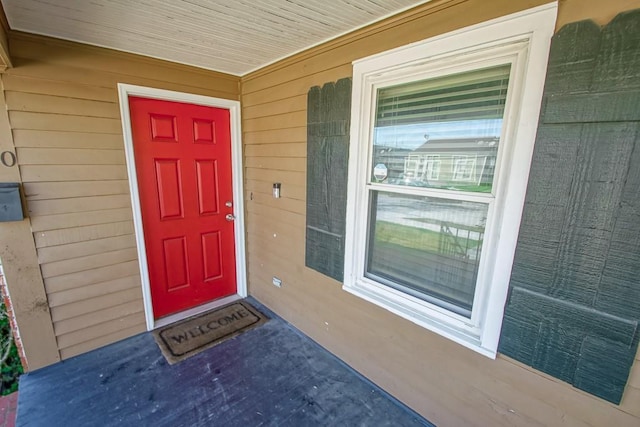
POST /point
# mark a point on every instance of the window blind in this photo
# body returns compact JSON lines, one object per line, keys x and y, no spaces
{"x":478,"y":94}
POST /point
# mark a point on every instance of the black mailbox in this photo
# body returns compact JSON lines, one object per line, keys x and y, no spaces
{"x":10,"y":203}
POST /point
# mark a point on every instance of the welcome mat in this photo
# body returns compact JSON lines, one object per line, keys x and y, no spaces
{"x":191,"y":336}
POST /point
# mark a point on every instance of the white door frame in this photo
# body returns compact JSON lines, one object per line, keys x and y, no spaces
{"x":124,"y":92}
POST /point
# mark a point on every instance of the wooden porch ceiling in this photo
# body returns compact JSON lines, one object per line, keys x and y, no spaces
{"x":234,"y":37}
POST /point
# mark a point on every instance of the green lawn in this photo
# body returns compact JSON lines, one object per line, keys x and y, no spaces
{"x":414,"y":237}
{"x":407,"y":236}
{"x":474,"y":188}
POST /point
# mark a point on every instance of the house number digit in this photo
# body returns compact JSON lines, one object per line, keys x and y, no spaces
{"x":8,"y":159}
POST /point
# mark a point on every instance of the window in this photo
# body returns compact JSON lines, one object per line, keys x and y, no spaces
{"x":411,"y":165}
{"x":452,"y":121}
{"x":433,"y":168}
{"x":463,"y":168}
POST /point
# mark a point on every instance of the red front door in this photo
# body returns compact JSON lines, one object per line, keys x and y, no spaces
{"x":183,"y":164}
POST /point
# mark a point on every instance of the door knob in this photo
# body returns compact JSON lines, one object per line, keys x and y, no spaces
{"x":230,"y":217}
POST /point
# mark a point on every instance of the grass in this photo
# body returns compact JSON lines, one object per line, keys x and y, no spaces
{"x":10,"y":365}
{"x":414,"y":237}
{"x":407,"y":236}
{"x":473,"y":188}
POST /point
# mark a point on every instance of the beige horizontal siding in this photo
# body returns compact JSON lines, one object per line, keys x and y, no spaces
{"x":78,"y":219}
{"x":64,"y":112}
{"x":88,"y":344}
{"x":53,"y":173}
{"x":634,"y":378}
{"x":281,"y":106}
{"x":272,"y":175}
{"x":293,"y":85}
{"x":61,"y":104}
{"x":61,"y":139}
{"x":63,"y":122}
{"x":256,"y":188}
{"x":278,"y":121}
{"x":70,"y":312}
{"x":90,"y":262}
{"x":79,"y":204}
{"x":82,"y":319}
{"x":89,"y":277}
{"x":448,"y":384}
{"x":295,"y":149}
{"x":76,"y":91}
{"x":292,"y":134}
{"x":82,"y":234}
{"x":86,"y":248}
{"x":68,"y":156}
{"x":108,"y":324}
{"x":68,"y":190}
{"x":277,"y":163}
{"x":120,"y":66}
{"x":101,"y":289}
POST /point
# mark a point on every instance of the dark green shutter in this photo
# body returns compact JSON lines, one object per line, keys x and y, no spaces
{"x":574,"y":303}
{"x":328,"y":121}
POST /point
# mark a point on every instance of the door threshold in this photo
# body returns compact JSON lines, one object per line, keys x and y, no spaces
{"x":159,"y":323}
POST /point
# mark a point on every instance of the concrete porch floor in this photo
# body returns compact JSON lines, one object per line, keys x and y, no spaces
{"x":270,"y":376}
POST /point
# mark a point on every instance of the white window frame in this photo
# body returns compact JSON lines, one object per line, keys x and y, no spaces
{"x":433,"y":163}
{"x":463,"y":168}
{"x":414,"y":160}
{"x":525,"y":39}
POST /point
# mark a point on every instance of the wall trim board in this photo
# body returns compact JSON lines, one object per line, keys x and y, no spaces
{"x":20,"y":36}
{"x":124,"y":91}
{"x":24,"y":282}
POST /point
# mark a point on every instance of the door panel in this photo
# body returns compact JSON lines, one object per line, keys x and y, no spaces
{"x":183,"y":164}
{"x":207,"y":175}
{"x":211,"y":245}
{"x":176,"y":263}
{"x":169,"y":188}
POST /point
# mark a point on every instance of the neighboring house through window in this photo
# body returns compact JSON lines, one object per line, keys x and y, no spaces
{"x":453,"y":120}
